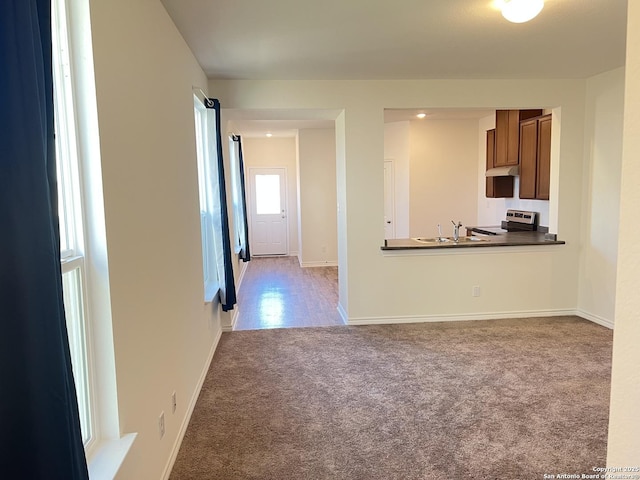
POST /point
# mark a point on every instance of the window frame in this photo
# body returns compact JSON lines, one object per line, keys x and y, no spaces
{"x":71,"y":222}
{"x":209,"y":196}
{"x":109,"y":447}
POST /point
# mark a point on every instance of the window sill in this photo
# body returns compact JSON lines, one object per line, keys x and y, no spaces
{"x":109,"y":457}
{"x":211,"y":292}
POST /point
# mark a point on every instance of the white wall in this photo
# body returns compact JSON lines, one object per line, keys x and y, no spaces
{"x":163,"y":332}
{"x":434,"y":286}
{"x":624,"y":420}
{"x":601,"y":195}
{"x":444,"y":176}
{"x":318,"y":198}
{"x":276,"y":152}
{"x":396,"y":148}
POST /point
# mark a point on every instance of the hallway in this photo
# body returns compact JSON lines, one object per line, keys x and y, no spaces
{"x":277,"y":293}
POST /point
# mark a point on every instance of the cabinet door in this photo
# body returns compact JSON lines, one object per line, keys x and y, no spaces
{"x":544,"y":158}
{"x":502,"y":137}
{"x":513,"y":139}
{"x":528,"y":158}
{"x":508,"y":135}
{"x":491,"y":152}
{"x":496,"y":187}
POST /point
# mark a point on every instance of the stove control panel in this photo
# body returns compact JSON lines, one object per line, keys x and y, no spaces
{"x":521,"y":216}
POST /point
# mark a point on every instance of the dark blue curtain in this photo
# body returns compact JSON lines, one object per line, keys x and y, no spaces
{"x":39,"y":425}
{"x":245,"y":253}
{"x":228,"y":287}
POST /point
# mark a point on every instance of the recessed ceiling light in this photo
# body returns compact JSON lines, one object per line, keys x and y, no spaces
{"x":520,"y":11}
{"x":421,"y":115}
{"x":269,"y":134}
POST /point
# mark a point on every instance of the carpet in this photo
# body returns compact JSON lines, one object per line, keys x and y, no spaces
{"x":498,"y":399}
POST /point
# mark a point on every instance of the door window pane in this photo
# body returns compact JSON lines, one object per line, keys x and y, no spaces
{"x":268,"y":194}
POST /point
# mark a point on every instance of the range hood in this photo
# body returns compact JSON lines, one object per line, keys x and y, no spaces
{"x":512,"y":171}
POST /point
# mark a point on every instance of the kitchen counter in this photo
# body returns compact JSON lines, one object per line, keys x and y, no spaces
{"x":512,"y":239}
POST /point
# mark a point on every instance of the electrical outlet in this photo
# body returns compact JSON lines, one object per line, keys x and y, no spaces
{"x":174,"y":402}
{"x":475,"y":291}
{"x":161,"y":424}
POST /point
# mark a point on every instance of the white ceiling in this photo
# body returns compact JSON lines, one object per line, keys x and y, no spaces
{"x":399,"y":39}
{"x":393,"y":39}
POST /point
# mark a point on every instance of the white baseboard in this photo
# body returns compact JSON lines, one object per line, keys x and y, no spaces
{"x":192,"y":404}
{"x":455,"y":317}
{"x":234,"y":319}
{"x":605,"y":322}
{"x":333,"y":263}
{"x":243,"y":269}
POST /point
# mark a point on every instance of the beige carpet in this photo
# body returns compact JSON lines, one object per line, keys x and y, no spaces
{"x":503,"y":399}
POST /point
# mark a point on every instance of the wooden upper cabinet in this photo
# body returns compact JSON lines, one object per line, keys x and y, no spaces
{"x":528,"y":158}
{"x":502,"y":137}
{"x":508,"y":135}
{"x":496,"y":187}
{"x":491,"y":152}
{"x":535,"y":158}
{"x":544,"y":158}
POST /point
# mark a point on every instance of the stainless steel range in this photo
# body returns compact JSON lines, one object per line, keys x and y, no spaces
{"x":516,"y":221}
{"x":520,"y":220}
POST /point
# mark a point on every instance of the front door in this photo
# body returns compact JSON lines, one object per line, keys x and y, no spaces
{"x":268,"y":198}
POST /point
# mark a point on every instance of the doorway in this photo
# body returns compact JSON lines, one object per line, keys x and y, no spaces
{"x":268,"y":234}
{"x":389,"y":200}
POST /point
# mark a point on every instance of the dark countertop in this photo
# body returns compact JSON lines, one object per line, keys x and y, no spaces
{"x":512,"y":239}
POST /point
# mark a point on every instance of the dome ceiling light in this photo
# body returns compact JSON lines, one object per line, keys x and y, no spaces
{"x":520,"y":11}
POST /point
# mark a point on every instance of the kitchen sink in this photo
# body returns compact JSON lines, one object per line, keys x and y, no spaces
{"x":434,"y":240}
{"x":440,"y":240}
{"x":471,"y":239}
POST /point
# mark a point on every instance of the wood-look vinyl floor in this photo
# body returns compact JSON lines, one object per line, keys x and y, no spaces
{"x":277,"y":293}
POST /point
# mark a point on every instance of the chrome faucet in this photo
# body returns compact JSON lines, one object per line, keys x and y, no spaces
{"x":456,"y":230}
{"x":440,"y":237}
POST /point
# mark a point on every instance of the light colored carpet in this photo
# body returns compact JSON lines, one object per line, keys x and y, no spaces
{"x":500,"y":399}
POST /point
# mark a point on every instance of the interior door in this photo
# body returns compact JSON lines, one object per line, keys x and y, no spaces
{"x":268,"y":197}
{"x":389,"y":201}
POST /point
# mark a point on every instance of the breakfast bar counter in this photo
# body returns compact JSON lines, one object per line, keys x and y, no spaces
{"x":509,"y":239}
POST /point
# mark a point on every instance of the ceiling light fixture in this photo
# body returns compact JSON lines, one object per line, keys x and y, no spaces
{"x":520,"y":11}
{"x":421,"y":115}
{"x":269,"y":135}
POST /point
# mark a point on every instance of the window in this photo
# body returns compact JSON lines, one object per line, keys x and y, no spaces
{"x":83,"y":241}
{"x":210,"y":219}
{"x":71,"y":224}
{"x":240,"y":243}
{"x":268,"y":195}
{"x":236,"y":193}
